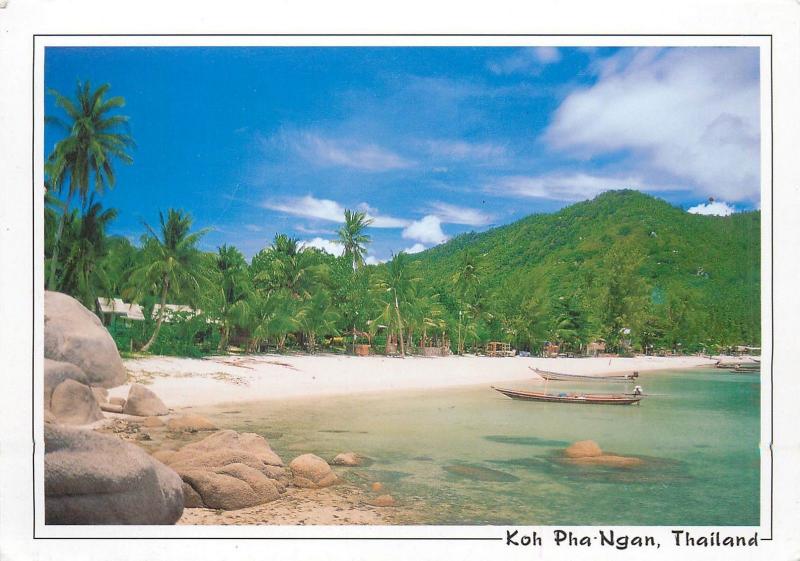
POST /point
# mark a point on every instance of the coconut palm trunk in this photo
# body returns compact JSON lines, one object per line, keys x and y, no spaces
{"x":51,"y":282}
{"x":160,"y":319}
{"x":399,"y":325}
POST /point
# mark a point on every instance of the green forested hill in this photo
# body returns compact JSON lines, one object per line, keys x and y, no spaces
{"x":621,"y":260}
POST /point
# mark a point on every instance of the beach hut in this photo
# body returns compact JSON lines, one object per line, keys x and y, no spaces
{"x":112,"y":308}
{"x":596,"y":348}
{"x":496,"y":348}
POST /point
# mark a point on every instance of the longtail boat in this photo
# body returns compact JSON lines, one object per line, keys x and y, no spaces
{"x":555,"y":376}
{"x":739,"y":366}
{"x":593,"y":399}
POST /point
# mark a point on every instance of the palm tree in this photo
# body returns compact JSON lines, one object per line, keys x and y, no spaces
{"x":87,"y":244}
{"x":83,"y":160}
{"x":231,"y":291}
{"x":171,"y":262}
{"x":398,"y":284}
{"x":467,"y":279}
{"x":317,"y":317}
{"x":352,"y":236}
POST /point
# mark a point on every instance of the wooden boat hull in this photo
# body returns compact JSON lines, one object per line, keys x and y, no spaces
{"x":557,"y":377}
{"x":588,"y":399}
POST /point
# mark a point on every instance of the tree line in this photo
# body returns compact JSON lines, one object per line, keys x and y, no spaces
{"x":294,"y":296}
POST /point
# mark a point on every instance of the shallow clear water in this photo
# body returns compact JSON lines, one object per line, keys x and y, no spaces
{"x":473,"y":456}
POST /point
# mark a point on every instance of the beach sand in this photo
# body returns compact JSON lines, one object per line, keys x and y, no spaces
{"x":186,"y":382}
{"x":337,"y":505}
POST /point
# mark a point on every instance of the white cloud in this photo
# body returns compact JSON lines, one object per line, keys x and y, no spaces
{"x":714,"y":208}
{"x":382,"y":221}
{"x":461,"y":150}
{"x":347,"y":153}
{"x":331,"y":211}
{"x":309,"y":207}
{"x":329,"y":246}
{"x":529,"y":59}
{"x":452,"y":214}
{"x":416,"y":248}
{"x":372,"y":260}
{"x":564,"y":187}
{"x":426,"y":230}
{"x":253,"y":227}
{"x":688,"y":113}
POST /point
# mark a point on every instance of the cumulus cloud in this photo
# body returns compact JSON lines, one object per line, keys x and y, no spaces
{"x":529,"y":59}
{"x":416,"y":248}
{"x":347,"y":153}
{"x":563,"y":187}
{"x":308,"y":207}
{"x":690,"y":113}
{"x":713,"y":208}
{"x":329,"y":246}
{"x":453,"y":214}
{"x":426,"y":230}
{"x":331,"y":211}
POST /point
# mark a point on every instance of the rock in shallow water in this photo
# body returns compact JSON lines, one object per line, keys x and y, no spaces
{"x":349,"y":459}
{"x":92,"y":478}
{"x":312,"y":472}
{"x":588,"y":452}
{"x":75,"y":335}
{"x":583,"y":449}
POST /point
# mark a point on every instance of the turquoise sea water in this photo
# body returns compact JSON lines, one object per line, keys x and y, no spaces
{"x":473,"y":456}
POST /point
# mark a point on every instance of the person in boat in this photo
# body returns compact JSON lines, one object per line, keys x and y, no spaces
{"x":637,"y":390}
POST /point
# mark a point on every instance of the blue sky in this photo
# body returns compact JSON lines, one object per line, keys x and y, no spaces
{"x":431,"y":142}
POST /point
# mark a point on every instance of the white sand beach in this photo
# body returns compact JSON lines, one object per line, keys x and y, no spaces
{"x":182,"y":382}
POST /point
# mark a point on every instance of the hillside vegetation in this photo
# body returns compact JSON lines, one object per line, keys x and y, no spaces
{"x":624,"y":260}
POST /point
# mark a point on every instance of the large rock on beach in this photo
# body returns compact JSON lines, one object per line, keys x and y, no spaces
{"x":56,"y":372}
{"x":91,"y":478}
{"x":100,"y":394}
{"x":73,"y":403}
{"x":230,"y":487}
{"x":75,"y":335}
{"x":228,"y":470}
{"x":111,"y":408}
{"x":142,"y":402}
{"x":312,"y":472}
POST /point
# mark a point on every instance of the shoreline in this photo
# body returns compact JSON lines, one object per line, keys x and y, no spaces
{"x":190,"y":382}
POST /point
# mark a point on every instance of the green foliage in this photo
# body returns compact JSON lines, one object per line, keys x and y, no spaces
{"x":352,"y":237}
{"x":627,"y":260}
{"x":83,"y":159}
{"x":625,"y":267}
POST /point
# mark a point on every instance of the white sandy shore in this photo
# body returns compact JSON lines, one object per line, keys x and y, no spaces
{"x":182,"y":382}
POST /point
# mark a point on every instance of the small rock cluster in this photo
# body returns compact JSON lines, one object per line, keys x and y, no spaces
{"x":93,"y":478}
